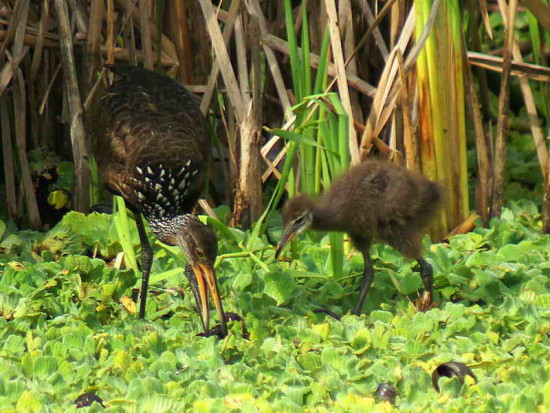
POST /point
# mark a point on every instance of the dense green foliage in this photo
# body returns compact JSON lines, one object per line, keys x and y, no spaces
{"x":65,"y":329}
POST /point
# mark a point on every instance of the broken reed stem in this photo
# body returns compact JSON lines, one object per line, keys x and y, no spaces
{"x":20,"y":114}
{"x":338,"y":56}
{"x":78,"y":141}
{"x":222,"y":55}
{"x":8,"y":158}
{"x":503,"y":105}
{"x":146,"y":43}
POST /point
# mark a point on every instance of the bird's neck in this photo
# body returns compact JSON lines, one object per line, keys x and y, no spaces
{"x":324,"y":219}
{"x":165,"y":228}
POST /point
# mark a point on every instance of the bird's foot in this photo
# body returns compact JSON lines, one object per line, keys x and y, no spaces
{"x":424,"y":302}
{"x":218,"y":331}
{"x":325,"y":310}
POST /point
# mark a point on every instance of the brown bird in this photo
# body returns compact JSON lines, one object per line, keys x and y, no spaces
{"x":373,"y":201}
{"x":152,"y":148}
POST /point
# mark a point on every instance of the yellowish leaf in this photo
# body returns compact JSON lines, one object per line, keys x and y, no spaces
{"x":128,"y":304}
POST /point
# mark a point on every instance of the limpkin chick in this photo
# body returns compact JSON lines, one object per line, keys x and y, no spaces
{"x":152,"y":148}
{"x":373,"y":201}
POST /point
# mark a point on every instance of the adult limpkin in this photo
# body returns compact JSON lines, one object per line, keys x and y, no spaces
{"x":373,"y":201}
{"x":152,"y":148}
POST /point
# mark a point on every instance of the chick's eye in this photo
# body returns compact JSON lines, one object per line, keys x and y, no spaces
{"x":200,"y":253}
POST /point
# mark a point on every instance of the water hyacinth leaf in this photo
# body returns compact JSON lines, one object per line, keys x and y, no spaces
{"x":129,"y":304}
{"x":491,"y":317}
{"x":279,"y":286}
{"x":122,"y":359}
{"x":28,"y":403}
{"x":27,"y":365}
{"x":58,"y":199}
{"x":310,"y":361}
{"x":43,"y":366}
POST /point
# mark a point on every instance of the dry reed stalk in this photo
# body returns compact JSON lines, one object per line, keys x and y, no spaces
{"x":8,"y":158}
{"x":93,"y":40}
{"x":536,"y":129}
{"x":384,"y":100}
{"x":276,"y":43}
{"x":397,"y":19}
{"x":20,"y":114}
{"x":464,"y":227}
{"x":348,"y":34}
{"x":366,"y":140}
{"x":410,"y":143}
{"x":145,"y":28}
{"x":248,"y":204}
{"x":518,"y":67}
{"x":338,"y":56}
{"x":242,"y":69}
{"x":126,"y":56}
{"x":255,"y":11}
{"x":483,"y":145}
{"x":540,"y":9}
{"x":503,"y":105}
{"x":178,"y":27}
{"x":229,"y":78}
{"x":111,"y":38}
{"x":31,"y":39}
{"x":485,"y":15}
{"x":480,"y":73}
{"x":377,"y":35}
{"x":213,"y":78}
{"x":168,"y":48}
{"x":129,"y":33}
{"x":80,"y":17}
{"x":19,"y":15}
{"x":40,"y":41}
{"x":19,"y":50}
{"x":78,"y":137}
{"x":49,"y":88}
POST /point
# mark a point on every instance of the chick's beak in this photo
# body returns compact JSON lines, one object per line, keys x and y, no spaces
{"x":288,"y":234}
{"x":206,"y":284}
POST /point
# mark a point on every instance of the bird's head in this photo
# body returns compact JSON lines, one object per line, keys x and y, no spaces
{"x":200,"y":245}
{"x":127,"y":73}
{"x":297,"y":218}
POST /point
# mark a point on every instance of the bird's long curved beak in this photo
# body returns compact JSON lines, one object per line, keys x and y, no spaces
{"x":288,"y":235}
{"x":206,"y":284}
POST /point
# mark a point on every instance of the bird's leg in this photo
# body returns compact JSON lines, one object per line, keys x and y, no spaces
{"x":366,"y":282}
{"x":146,"y":261}
{"x":426,"y":271}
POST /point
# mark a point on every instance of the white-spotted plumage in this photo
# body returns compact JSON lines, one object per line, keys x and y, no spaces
{"x":160,"y":191}
{"x":162,"y":226}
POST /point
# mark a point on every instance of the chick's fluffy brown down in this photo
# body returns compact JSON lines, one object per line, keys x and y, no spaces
{"x":378,"y":200}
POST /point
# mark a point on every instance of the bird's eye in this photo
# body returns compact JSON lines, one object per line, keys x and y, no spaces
{"x":200,"y":253}
{"x":300,"y":220}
